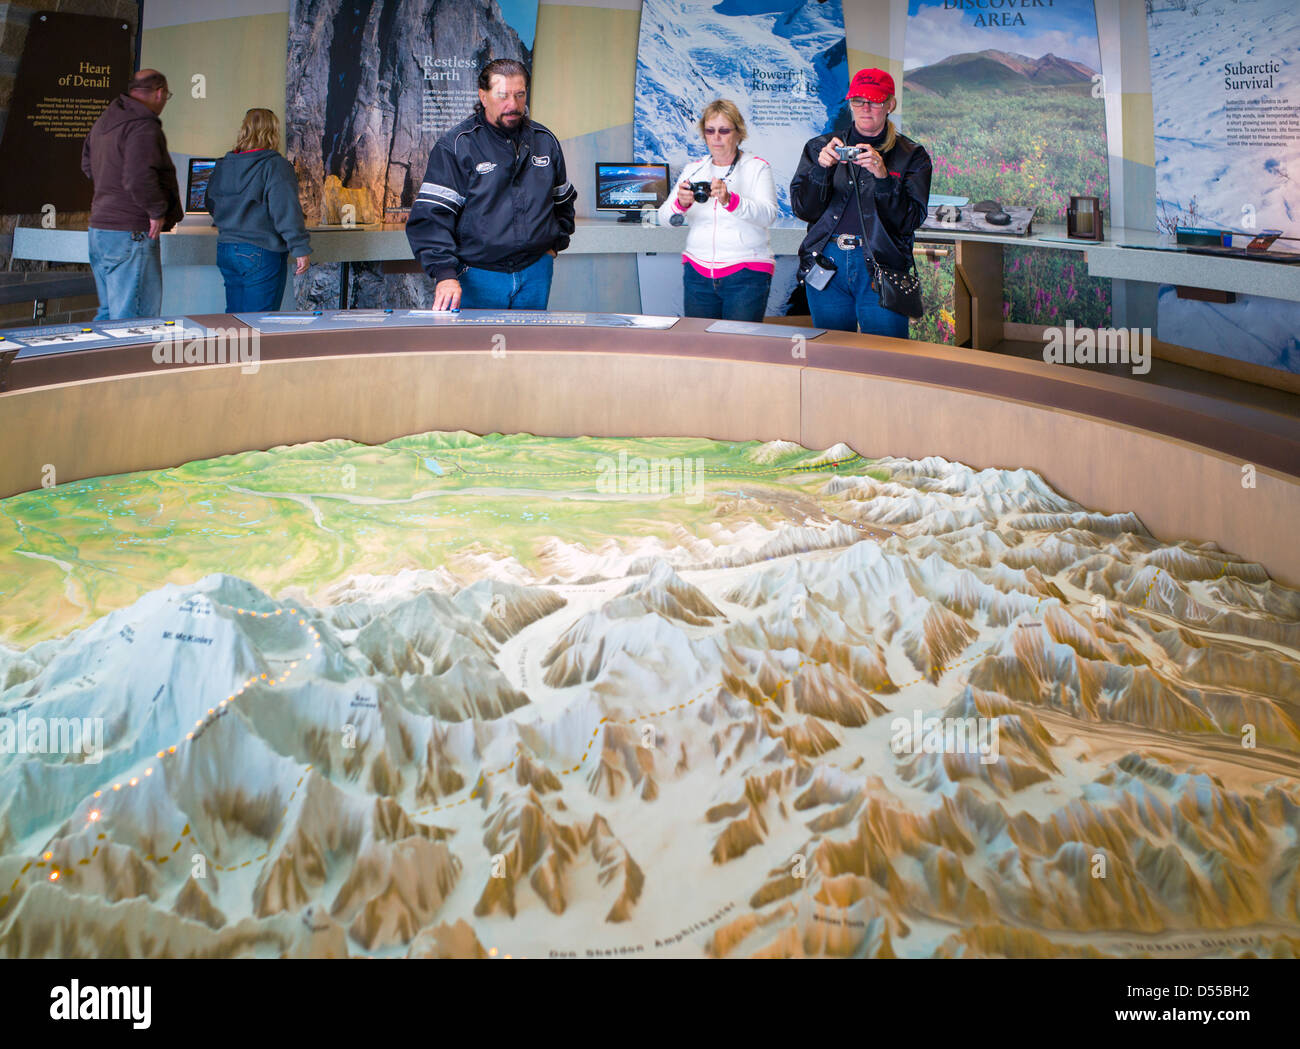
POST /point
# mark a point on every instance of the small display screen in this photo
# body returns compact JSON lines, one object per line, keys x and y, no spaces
{"x":200,"y":172}
{"x":630,"y":187}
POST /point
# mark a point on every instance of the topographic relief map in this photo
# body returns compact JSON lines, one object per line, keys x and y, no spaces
{"x":527,"y":697}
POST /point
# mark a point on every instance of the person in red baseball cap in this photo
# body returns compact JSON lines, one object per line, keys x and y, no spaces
{"x":859,"y":208}
{"x":875,"y":85}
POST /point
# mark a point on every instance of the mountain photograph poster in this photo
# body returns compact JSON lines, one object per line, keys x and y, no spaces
{"x":1011,"y":109}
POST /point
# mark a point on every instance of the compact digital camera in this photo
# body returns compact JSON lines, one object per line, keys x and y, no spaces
{"x":847,"y":153}
{"x":702,"y":191}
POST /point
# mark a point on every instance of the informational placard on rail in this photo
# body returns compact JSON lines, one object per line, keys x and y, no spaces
{"x":62,"y":338}
{"x":352,"y":320}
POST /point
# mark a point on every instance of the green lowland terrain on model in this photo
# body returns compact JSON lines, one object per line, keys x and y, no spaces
{"x":313,"y":515}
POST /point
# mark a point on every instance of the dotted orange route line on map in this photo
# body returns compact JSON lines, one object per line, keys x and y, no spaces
{"x":484,"y":775}
{"x":1223,"y":570}
{"x":769,"y":695}
{"x":569,"y":771}
{"x":1149,"y":586}
{"x":56,"y":872}
{"x":214,"y":712}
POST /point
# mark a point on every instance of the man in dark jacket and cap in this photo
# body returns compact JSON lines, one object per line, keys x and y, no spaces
{"x":496,"y":204}
{"x":136,"y":198}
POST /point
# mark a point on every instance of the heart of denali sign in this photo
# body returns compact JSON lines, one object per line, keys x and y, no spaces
{"x":73,"y":66}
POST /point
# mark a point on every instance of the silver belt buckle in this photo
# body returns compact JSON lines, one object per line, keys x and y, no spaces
{"x":846,"y":241}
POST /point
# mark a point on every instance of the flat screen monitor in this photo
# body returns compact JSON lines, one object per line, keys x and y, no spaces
{"x":197,"y":193}
{"x":628,"y":187}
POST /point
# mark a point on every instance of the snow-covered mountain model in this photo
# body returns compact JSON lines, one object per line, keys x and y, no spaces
{"x":784,"y":64}
{"x":839,"y":707}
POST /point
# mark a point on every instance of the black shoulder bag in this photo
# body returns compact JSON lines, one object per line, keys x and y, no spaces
{"x":898,"y":290}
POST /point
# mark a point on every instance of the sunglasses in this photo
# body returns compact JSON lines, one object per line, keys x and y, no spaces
{"x":719,"y":130}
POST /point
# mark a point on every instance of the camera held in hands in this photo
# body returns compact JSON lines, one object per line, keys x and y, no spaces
{"x":847,"y":153}
{"x":702,"y":191}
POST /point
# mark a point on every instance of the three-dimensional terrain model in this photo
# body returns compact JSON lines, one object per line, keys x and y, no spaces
{"x":530,"y":697}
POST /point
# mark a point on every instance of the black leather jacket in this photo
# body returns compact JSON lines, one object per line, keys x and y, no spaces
{"x":490,"y":200}
{"x":893,"y":208}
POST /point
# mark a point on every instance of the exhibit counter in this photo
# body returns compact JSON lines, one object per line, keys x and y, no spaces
{"x":1140,"y":255}
{"x":586,"y":279}
{"x":1179,"y":460}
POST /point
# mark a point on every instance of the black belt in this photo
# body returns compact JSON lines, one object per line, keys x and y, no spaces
{"x":847,"y":241}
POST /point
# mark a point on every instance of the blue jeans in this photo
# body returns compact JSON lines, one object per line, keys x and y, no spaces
{"x":739,"y":296}
{"x":255,"y":277}
{"x":128,"y":274}
{"x":525,"y":289}
{"x":848,"y":302}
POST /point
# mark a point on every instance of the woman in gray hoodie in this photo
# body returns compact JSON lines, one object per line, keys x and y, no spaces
{"x":253,"y":199}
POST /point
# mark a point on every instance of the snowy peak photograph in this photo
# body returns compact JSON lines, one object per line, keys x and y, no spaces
{"x":785,"y":65}
{"x":1003,"y":70}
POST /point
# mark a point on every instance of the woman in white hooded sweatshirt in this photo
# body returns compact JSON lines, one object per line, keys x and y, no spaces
{"x":728,"y":262}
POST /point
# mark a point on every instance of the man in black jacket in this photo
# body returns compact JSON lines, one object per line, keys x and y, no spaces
{"x":136,"y":198}
{"x":892,"y":174}
{"x":496,"y":205}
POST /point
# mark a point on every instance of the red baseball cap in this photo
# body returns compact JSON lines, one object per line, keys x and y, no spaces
{"x":875,"y":85}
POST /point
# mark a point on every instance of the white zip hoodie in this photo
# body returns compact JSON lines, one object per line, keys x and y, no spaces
{"x":728,"y":238}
